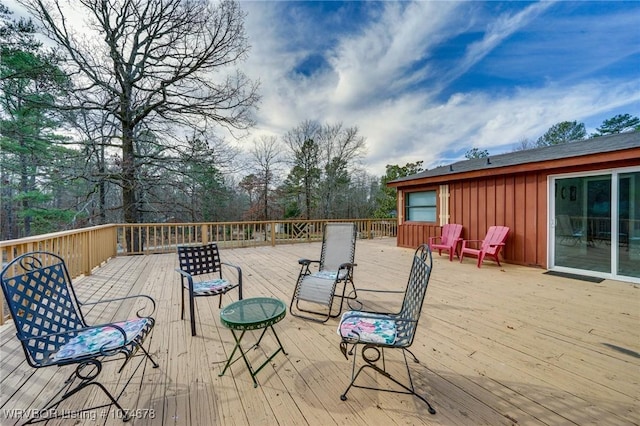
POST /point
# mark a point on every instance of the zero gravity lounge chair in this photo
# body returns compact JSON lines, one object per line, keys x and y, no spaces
{"x":51,"y":327}
{"x":315,"y":292}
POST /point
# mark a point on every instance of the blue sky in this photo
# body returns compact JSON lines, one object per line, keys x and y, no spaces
{"x":430,"y":80}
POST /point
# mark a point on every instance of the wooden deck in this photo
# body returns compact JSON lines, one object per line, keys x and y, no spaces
{"x":498,"y":346}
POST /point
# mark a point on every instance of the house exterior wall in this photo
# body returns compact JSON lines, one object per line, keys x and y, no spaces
{"x":516,"y":201}
{"x":516,"y":198}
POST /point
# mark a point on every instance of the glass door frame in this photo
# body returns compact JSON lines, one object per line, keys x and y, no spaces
{"x":551,"y":222}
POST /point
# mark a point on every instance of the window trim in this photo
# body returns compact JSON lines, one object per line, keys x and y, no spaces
{"x":407,"y":207}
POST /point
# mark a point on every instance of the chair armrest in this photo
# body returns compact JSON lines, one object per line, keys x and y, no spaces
{"x":239,"y":273}
{"x":135,"y":296}
{"x":184,"y":274}
{"x":464,"y":242}
{"x":347,"y":265}
{"x":307,"y":262}
{"x":434,"y":239}
{"x":236,"y":267}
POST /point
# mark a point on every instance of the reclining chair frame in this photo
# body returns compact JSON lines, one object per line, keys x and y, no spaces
{"x":343,"y":276}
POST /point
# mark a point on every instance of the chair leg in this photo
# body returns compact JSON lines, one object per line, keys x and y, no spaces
{"x":182,"y":303}
{"x":371,"y":363}
{"x":86,"y":380}
{"x":148,"y":355}
{"x":343,"y":296}
{"x":192,"y":314}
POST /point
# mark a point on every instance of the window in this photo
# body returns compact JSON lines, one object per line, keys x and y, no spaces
{"x":421,"y":206}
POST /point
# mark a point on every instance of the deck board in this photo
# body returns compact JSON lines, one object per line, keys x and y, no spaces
{"x":497,"y":345}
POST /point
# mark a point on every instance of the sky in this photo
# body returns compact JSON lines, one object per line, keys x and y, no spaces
{"x":427,"y":81}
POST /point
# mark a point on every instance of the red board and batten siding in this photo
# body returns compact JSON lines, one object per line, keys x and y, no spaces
{"x":516,"y":201}
{"x":515,"y":197}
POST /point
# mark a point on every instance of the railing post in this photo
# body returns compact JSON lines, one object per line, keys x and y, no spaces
{"x":88,"y":257}
{"x":204,"y":234}
{"x":273,"y":234}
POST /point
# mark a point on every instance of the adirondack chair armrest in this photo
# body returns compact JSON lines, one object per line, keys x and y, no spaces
{"x":117,"y":299}
{"x":496,"y":244}
{"x":434,"y":239}
{"x":465,"y":242}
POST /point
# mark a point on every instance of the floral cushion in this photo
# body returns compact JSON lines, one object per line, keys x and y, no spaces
{"x":330,"y":275}
{"x":366,"y":327}
{"x":213,"y":286}
{"x":90,"y":342}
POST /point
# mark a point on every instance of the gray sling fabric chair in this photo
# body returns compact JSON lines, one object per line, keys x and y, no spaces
{"x":315,"y":292}
{"x":53,"y":332}
{"x":376,"y":332}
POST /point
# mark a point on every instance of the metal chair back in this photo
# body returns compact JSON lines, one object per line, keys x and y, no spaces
{"x":338,"y":245}
{"x":42,"y":302}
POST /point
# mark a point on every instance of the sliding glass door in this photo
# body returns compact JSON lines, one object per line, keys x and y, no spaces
{"x":595,"y":224}
{"x":629,"y":224}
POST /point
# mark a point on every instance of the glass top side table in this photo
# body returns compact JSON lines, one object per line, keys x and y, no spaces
{"x":252,"y":314}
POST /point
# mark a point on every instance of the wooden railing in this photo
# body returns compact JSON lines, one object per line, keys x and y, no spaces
{"x":82,"y":249}
{"x":149,"y":238}
{"x":87,"y":248}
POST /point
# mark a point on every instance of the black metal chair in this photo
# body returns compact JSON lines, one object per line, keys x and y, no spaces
{"x":203,"y":263}
{"x":374,"y":332}
{"x":53,"y":332}
{"x":315,"y":292}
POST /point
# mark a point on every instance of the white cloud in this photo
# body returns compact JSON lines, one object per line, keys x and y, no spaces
{"x":381,"y":75}
{"x":498,"y":31}
{"x":381,"y":71}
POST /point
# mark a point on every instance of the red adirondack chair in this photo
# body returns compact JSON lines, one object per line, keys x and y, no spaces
{"x":448,"y":241}
{"x":491,"y":245}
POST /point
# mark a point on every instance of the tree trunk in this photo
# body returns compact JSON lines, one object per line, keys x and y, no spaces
{"x":129,"y":193}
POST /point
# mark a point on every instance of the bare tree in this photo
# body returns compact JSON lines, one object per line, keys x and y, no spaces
{"x":152,"y":66}
{"x":524,"y":144}
{"x":340,"y":149}
{"x":323,"y":160}
{"x":267,"y":157}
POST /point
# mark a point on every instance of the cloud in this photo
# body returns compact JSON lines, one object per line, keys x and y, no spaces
{"x":429,"y":80}
{"x":498,"y":31}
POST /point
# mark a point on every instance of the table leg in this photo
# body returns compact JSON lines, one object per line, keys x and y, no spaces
{"x":246,"y":361}
{"x":235,"y":348}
